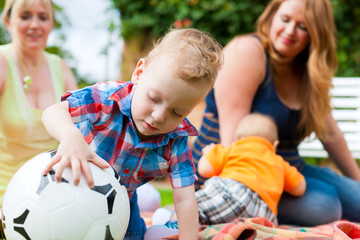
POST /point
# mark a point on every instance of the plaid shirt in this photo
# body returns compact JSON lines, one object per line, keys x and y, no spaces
{"x":102,"y":113}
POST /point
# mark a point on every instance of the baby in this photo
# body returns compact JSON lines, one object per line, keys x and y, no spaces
{"x":247,"y":178}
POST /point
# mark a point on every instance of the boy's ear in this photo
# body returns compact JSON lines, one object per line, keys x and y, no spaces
{"x":275,"y":145}
{"x":138,"y":71}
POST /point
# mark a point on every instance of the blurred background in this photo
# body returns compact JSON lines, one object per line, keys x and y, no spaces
{"x":102,"y":40}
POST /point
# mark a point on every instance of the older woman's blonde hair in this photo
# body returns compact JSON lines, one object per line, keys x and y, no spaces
{"x":195,"y":55}
{"x":15,"y":6}
{"x":316,"y":64}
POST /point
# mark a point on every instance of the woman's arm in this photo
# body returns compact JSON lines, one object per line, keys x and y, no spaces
{"x":338,"y":151}
{"x":237,"y":82}
{"x":69,"y":79}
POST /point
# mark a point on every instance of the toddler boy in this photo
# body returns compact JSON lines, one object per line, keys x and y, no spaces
{"x":139,"y":127}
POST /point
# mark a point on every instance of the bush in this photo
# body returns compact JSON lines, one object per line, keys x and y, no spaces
{"x":226,"y":18}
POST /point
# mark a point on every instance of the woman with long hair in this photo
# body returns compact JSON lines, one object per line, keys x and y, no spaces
{"x":285,"y":70}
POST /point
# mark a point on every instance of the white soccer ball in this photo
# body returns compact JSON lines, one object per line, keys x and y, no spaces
{"x":36,"y":207}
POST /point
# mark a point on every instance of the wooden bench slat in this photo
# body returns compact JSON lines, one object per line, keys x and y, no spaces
{"x":346,"y":81}
{"x":345,"y":92}
{"x":353,"y":115}
{"x":347,"y":127}
{"x":346,"y":111}
{"x":345,"y":102}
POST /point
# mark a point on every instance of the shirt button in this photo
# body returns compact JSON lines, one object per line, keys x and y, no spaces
{"x":126,"y":170}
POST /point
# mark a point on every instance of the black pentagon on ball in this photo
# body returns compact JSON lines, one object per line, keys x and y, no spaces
{"x":44,"y":181}
{"x":118,"y":177}
{"x":110,"y":198}
{"x":20,"y":220}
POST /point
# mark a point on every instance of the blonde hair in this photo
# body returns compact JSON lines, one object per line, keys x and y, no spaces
{"x":15,"y":6}
{"x":316,"y":64}
{"x":256,"y":124}
{"x":196,"y":55}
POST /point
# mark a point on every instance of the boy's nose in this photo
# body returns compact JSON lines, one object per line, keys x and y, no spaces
{"x":159,"y":115}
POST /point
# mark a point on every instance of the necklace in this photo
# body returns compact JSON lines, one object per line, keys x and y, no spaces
{"x":27,"y":80}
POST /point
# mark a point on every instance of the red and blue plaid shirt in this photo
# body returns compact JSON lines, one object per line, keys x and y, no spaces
{"x":102,"y":113}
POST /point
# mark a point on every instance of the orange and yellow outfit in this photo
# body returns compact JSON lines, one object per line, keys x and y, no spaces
{"x":253,"y":162}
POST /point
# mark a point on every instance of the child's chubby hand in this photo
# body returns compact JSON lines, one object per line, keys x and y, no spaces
{"x":75,"y":153}
{"x":208,"y":148}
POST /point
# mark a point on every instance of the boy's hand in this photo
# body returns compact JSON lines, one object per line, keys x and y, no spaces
{"x":205,"y":168}
{"x":208,"y":148}
{"x":75,"y":153}
{"x":73,"y":150}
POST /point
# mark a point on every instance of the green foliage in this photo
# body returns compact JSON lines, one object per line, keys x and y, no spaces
{"x":4,"y":35}
{"x":221,"y":18}
{"x":224,"y":19}
{"x":347,"y":17}
{"x":166,"y":196}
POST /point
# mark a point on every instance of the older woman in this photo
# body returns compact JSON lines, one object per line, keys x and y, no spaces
{"x":30,"y":81}
{"x":285,"y":70}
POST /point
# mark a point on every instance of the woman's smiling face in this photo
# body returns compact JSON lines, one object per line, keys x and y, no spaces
{"x":288,"y":33}
{"x":30,"y":27}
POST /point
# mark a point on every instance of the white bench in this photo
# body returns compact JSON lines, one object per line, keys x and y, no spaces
{"x":346,"y":111}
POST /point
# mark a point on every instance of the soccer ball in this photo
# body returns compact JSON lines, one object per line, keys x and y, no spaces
{"x":36,"y":207}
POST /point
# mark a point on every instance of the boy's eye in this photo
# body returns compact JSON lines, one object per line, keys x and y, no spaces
{"x":153,"y":98}
{"x":176,"y":114}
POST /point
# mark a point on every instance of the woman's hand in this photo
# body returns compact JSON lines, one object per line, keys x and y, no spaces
{"x":338,"y":150}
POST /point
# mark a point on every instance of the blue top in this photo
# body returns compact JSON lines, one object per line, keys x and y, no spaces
{"x":266,"y":101}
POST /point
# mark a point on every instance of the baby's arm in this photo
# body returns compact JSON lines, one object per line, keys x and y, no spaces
{"x":186,"y":212}
{"x":205,"y":169}
{"x":73,"y":150}
{"x":299,"y":190}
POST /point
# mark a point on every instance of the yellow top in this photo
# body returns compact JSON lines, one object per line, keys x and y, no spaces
{"x":253,"y":162}
{"x":22,"y":134}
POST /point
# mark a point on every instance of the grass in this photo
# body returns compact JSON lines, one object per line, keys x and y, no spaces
{"x":166,"y":196}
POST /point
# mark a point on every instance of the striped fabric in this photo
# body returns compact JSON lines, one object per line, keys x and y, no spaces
{"x":222,"y":200}
{"x":209,"y":133}
{"x":103,"y":113}
{"x":262,"y":229}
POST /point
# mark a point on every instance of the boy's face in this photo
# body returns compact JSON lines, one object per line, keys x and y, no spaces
{"x":162,"y":100}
